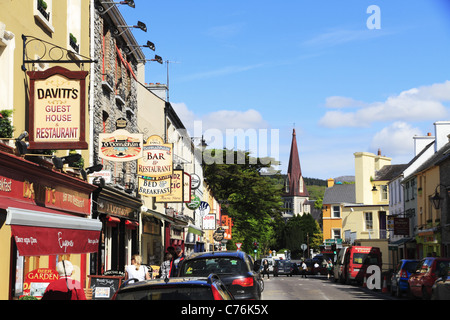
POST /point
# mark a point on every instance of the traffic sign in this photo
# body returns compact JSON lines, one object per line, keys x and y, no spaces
{"x":238,"y":245}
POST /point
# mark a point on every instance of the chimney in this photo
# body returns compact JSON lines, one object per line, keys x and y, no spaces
{"x":330,"y":183}
{"x":442,"y":129}
{"x":420,"y":142}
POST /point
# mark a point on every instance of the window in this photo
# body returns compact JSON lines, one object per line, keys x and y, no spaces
{"x":7,"y":48}
{"x":368,"y":221}
{"x":42,"y":11}
{"x":336,"y":212}
{"x":336,"y":233}
{"x":384,"y":192}
{"x":74,"y":25}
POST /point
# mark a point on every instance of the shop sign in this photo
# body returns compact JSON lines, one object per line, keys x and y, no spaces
{"x":401,"y":226}
{"x":54,"y":197}
{"x":209,"y":222}
{"x":57,"y":109}
{"x":195,"y":181}
{"x":204,"y":208}
{"x":187,"y":188}
{"x":176,"y":189}
{"x":195,"y":202}
{"x":113,"y":209}
{"x":153,"y":188}
{"x":156,"y":161}
{"x":120,"y":146}
{"x":37,"y":281}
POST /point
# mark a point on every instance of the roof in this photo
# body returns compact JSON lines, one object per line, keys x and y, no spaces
{"x":390,"y":172}
{"x":294,"y":172}
{"x":340,"y":193}
{"x":441,"y":155}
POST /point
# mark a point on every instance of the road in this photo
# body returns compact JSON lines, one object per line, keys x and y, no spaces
{"x":316,"y":288}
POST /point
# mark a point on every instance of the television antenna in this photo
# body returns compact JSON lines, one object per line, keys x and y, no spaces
{"x":167,"y":66}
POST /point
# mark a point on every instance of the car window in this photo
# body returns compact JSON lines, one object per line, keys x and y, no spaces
{"x":167,"y":293}
{"x":204,"y":267}
{"x":410,"y":266}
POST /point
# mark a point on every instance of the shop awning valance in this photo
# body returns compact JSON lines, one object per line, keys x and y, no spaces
{"x":39,"y":233}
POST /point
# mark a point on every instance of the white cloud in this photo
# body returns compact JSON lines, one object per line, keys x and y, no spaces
{"x":396,"y":139}
{"x":417,"y":104}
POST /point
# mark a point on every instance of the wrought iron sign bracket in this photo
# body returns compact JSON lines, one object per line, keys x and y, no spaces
{"x":50,"y":53}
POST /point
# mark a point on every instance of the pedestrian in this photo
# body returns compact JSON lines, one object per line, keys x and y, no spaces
{"x":65,"y":288}
{"x":165,"y":266}
{"x":304,"y":269}
{"x":135,"y":270}
{"x":329,"y":268}
{"x":176,"y":260}
{"x":266,"y":268}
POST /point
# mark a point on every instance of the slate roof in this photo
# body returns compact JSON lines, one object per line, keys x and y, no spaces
{"x":390,"y":172}
{"x":340,"y":193}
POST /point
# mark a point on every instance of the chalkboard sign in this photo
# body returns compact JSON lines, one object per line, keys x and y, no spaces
{"x":104,"y":287}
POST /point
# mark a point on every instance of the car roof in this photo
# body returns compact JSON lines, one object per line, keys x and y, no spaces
{"x":187,"y":281}
{"x":218,"y":254}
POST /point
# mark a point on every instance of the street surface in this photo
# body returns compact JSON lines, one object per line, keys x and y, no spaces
{"x":316,"y":288}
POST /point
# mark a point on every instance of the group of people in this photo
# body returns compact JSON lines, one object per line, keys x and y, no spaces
{"x":66,"y":288}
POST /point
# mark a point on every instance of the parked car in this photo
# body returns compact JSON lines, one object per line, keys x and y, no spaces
{"x":283,"y":267}
{"x":401,"y":274}
{"x":426,"y":273}
{"x":441,"y":287}
{"x":192,"y":288}
{"x":234,"y":268}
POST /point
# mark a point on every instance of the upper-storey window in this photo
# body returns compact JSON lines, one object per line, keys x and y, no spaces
{"x":42,"y":10}
{"x":74,"y":25}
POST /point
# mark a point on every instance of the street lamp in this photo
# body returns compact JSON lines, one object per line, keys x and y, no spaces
{"x":436,"y":198}
{"x":149,"y":45}
{"x":139,"y":25}
{"x":129,"y":3}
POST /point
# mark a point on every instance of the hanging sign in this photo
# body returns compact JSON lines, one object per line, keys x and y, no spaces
{"x":187,"y":188}
{"x":57,"y":109}
{"x":156,"y":162}
{"x":120,"y":146}
{"x":194,"y":203}
{"x":204,"y":208}
{"x":176,"y":189}
{"x":195,"y":181}
{"x":153,"y":188}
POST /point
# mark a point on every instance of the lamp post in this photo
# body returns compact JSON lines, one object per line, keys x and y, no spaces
{"x":436,"y":198}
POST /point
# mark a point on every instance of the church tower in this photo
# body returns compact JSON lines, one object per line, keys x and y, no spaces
{"x":296,"y":195}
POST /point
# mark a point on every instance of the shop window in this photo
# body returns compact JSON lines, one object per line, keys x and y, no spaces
{"x":42,"y":11}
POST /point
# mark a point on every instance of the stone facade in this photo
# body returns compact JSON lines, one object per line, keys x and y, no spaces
{"x":115,"y":95}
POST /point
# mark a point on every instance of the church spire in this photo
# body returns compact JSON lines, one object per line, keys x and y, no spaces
{"x":294,"y":174}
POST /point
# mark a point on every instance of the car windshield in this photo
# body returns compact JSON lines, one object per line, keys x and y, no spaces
{"x":410,"y":266}
{"x":167,"y":293}
{"x":204,"y":267}
{"x":365,"y":258}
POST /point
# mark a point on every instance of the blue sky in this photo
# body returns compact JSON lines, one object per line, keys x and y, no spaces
{"x":312,"y":65}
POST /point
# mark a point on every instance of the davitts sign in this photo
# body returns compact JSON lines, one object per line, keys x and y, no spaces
{"x":57,"y":109}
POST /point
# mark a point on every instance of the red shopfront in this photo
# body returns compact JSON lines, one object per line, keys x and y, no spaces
{"x":44,"y":218}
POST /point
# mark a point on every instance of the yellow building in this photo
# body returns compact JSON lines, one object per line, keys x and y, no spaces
{"x":54,"y":32}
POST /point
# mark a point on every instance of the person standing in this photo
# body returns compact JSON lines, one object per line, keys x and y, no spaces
{"x":164,"y":271}
{"x":266,"y":268}
{"x":136,"y":270}
{"x":65,"y":288}
{"x":176,"y":262}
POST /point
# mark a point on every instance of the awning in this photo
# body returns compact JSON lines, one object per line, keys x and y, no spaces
{"x":40,"y":233}
{"x":195,"y":230}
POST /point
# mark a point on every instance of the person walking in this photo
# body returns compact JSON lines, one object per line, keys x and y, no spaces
{"x":65,"y":288}
{"x":136,"y":270}
{"x":266,"y":268}
{"x":329,"y":268}
{"x":304,"y":269}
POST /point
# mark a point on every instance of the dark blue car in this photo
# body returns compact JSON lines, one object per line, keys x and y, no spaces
{"x":400,"y":277}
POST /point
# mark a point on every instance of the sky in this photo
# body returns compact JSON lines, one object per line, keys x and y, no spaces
{"x":348,"y":75}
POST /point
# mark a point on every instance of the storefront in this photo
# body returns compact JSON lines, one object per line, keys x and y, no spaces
{"x":44,"y":218}
{"x":152,"y":237}
{"x":119,"y":213}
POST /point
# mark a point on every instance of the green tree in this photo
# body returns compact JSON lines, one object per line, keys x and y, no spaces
{"x":252,"y":200}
